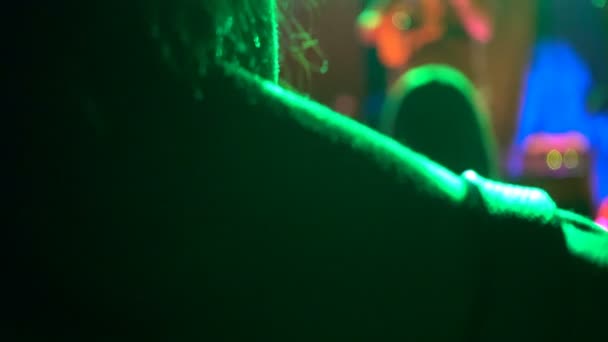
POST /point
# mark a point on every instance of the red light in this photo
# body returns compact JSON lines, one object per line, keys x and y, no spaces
{"x":602,"y":216}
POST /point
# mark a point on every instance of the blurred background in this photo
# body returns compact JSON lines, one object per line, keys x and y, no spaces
{"x":539,"y":67}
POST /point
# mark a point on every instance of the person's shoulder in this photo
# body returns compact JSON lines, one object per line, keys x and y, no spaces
{"x":533,"y":208}
{"x":363,"y":145}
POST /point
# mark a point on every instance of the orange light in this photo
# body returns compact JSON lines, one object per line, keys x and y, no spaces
{"x":393,"y":34}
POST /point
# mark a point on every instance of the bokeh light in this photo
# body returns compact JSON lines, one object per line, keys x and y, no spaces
{"x":571,"y":159}
{"x":554,"y":160}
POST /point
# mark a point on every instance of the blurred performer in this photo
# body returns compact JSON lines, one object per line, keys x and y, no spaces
{"x":453,"y":131}
{"x":399,"y":28}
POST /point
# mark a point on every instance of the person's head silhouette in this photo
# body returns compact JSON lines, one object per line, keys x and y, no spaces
{"x":433,"y":110}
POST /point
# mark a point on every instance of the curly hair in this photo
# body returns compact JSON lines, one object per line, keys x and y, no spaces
{"x":195,"y":33}
{"x":244,"y":32}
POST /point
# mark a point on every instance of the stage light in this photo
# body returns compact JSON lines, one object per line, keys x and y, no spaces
{"x":555,"y":160}
{"x":571,"y":159}
{"x":402,"y":20}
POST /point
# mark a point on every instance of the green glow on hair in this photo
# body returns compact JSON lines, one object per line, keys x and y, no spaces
{"x":194,"y":35}
{"x":276,"y":68}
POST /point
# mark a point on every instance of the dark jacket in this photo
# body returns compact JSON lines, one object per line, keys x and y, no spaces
{"x":152,"y":207}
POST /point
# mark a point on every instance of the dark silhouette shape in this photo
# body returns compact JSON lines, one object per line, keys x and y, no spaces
{"x":433,"y":110}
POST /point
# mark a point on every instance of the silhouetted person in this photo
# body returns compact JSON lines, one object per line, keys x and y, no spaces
{"x":170,"y":190}
{"x":432,"y":109}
